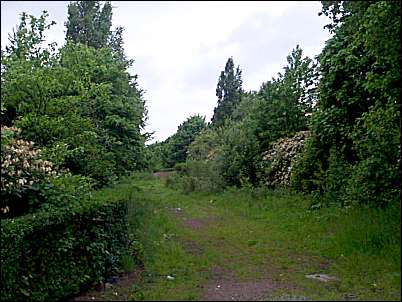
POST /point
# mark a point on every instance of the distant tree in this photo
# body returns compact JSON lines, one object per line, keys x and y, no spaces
{"x":179,"y":142}
{"x":228,"y":91}
{"x":88,"y":23}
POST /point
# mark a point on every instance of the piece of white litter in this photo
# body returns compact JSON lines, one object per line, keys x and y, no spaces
{"x":108,"y":285}
{"x":322,"y":277}
{"x":115,"y":293}
{"x":170,"y":277}
{"x":218,"y":286}
{"x":178,"y":209}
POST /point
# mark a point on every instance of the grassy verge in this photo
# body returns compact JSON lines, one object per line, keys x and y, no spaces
{"x":252,"y":234}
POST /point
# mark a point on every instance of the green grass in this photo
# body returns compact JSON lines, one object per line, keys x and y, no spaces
{"x":257,"y":233}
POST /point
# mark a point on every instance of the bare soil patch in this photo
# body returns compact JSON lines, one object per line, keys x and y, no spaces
{"x":163,"y":174}
{"x":223,"y":286}
{"x":117,"y":290}
{"x":193,"y":223}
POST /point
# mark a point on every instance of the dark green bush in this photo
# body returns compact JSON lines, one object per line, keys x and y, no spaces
{"x":49,"y":255}
{"x":358,"y":112}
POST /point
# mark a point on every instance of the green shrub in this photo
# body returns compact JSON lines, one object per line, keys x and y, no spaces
{"x":62,"y":191}
{"x":336,"y":179}
{"x":196,"y":175}
{"x":181,"y":168}
{"x":376,"y":178}
{"x":29,"y":183}
{"x":127,"y":263}
{"x":358,"y":112}
{"x":23,"y":170}
{"x":50,"y":255}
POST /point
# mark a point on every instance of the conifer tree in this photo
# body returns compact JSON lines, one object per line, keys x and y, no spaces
{"x":228,"y":91}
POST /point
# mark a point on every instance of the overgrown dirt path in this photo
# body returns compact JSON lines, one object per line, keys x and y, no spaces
{"x":239,"y":270}
{"x":206,"y":247}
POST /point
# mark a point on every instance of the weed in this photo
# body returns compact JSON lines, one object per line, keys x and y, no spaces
{"x":127,"y":263}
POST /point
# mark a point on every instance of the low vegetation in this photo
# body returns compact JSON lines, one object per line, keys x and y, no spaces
{"x":192,"y":242}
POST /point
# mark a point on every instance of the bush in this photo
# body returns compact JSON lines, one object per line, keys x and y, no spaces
{"x":239,"y":156}
{"x":278,"y":160}
{"x":372,"y":178}
{"x":376,"y":178}
{"x":50,"y":255}
{"x":196,"y":175}
{"x":22,"y":169}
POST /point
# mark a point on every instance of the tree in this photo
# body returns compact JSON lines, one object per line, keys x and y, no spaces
{"x":80,"y":106}
{"x":357,"y":121}
{"x":89,"y":24}
{"x":228,"y":91}
{"x":179,"y":142}
{"x":283,"y":105}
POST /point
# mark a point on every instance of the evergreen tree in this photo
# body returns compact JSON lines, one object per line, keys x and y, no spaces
{"x":229,"y":92}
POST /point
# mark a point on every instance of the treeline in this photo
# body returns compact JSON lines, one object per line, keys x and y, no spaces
{"x":71,"y":123}
{"x":347,"y":100}
{"x":78,"y":105}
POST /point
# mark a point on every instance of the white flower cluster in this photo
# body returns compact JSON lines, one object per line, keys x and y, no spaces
{"x":21,"y":165}
{"x":281,"y":156}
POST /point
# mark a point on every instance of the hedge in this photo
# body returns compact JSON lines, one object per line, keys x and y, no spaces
{"x":51,"y":255}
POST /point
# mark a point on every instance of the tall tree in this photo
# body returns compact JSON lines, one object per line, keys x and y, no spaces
{"x":88,"y":23}
{"x":286,"y":102}
{"x":357,"y":122}
{"x":80,"y":105}
{"x":228,"y":91}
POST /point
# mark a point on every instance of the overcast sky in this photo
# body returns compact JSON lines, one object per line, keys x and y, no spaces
{"x":180,"y":48}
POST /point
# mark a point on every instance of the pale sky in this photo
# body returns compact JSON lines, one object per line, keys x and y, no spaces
{"x":180,"y":47}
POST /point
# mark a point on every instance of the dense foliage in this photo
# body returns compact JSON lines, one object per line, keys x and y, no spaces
{"x":88,"y":23}
{"x":349,"y":100}
{"x":354,"y":152}
{"x":174,"y":149}
{"x":231,"y":153}
{"x":22,"y":172}
{"x":79,"y":105}
{"x":71,"y":121}
{"x":287,"y":101}
{"x":50,"y":255}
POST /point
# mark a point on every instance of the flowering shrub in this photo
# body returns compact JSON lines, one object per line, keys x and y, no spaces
{"x":21,"y":167}
{"x":279,"y":159}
